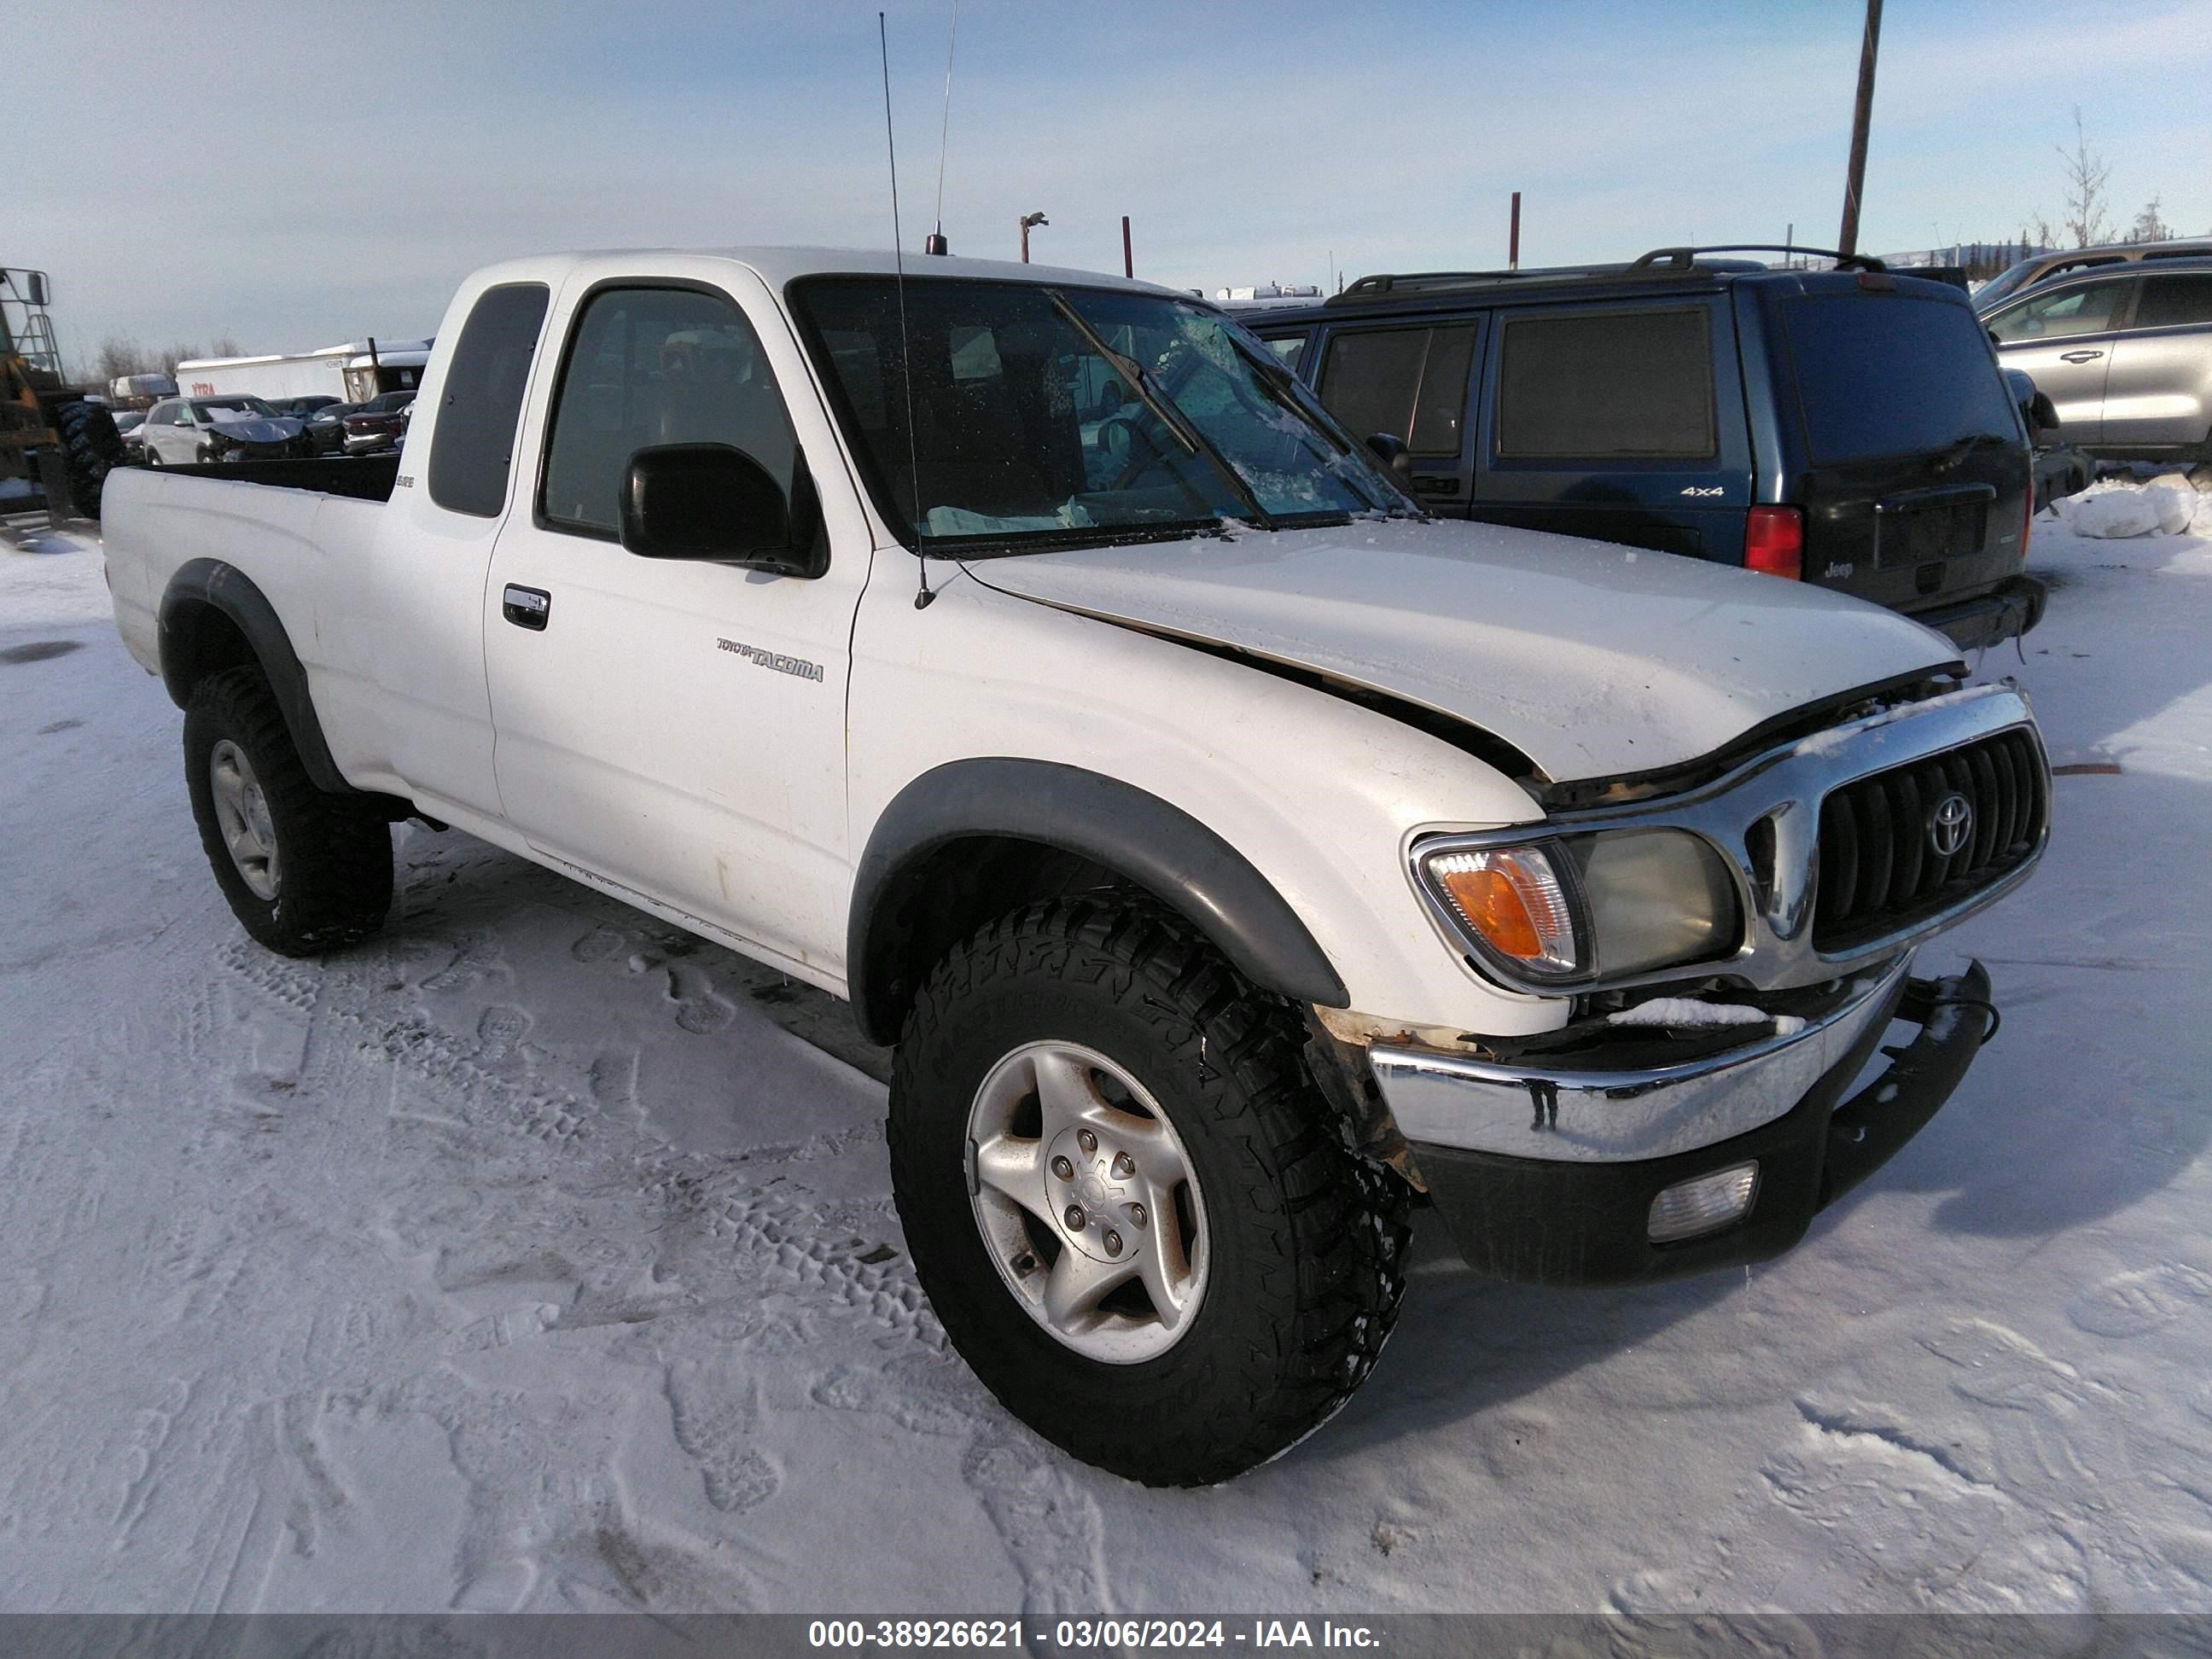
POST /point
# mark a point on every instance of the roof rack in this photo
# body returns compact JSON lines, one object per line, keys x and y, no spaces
{"x":1683,"y":258}
{"x":1660,"y":262}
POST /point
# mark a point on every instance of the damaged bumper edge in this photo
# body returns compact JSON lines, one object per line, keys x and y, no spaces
{"x":1590,"y":1152}
{"x":1611,"y":1116}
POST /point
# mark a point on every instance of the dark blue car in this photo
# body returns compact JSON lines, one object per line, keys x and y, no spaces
{"x":1848,"y":427}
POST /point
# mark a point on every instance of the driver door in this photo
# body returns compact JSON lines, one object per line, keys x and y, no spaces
{"x":675,"y":729}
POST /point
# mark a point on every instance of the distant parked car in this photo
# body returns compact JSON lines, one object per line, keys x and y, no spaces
{"x":377,"y":423}
{"x":127,"y":423}
{"x":2123,"y":353}
{"x":326,"y":428}
{"x":189,"y":431}
{"x":303,"y":409}
{"x":2064,"y":262}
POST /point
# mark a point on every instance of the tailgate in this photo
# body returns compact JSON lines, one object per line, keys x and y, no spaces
{"x":1911,"y":467}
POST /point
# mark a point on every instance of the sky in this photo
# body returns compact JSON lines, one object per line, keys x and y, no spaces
{"x":292,"y":174}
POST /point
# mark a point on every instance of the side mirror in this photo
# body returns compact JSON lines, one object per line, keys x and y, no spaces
{"x":714,"y":501}
{"x":35,"y":283}
{"x":1390,"y":448}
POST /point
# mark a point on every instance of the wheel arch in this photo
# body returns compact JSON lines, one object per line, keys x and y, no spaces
{"x":212,"y":617}
{"x":967,"y":841}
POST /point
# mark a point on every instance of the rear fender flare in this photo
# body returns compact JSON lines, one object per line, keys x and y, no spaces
{"x":202,"y":586}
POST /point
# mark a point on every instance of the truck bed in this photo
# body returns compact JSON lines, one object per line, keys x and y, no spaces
{"x":363,"y":477}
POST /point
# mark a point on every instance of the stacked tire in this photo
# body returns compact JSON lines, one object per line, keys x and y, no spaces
{"x":91,"y":449}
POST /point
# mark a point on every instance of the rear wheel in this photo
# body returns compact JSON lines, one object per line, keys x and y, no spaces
{"x":304,"y":871}
{"x":91,"y":449}
{"x":1132,"y":1211}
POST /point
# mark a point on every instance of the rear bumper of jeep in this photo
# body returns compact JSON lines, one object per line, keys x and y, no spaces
{"x":2007,"y":611}
{"x":1554,"y":1175}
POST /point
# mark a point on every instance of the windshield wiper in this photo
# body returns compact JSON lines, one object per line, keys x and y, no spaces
{"x":1163,"y":408}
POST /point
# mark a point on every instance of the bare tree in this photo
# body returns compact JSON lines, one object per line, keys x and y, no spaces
{"x":179,"y":354}
{"x":2148,"y":227}
{"x":225,"y":345}
{"x":2086,"y":201}
{"x":120,"y":354}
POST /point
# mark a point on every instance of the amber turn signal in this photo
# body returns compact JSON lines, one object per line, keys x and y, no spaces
{"x":1513,"y":902}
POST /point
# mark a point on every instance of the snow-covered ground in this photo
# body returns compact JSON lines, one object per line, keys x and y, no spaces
{"x":520,"y":1259}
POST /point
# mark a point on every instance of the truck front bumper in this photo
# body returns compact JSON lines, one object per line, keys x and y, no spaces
{"x":1549,"y":1175}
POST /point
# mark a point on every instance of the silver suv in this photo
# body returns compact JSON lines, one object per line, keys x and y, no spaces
{"x":2125,"y":354}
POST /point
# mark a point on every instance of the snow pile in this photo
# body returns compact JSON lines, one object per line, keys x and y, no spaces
{"x":2119,"y":507}
{"x":1682,"y":1013}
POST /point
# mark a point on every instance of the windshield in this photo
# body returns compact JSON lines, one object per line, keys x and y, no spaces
{"x":232,"y":409}
{"x":1042,"y":413}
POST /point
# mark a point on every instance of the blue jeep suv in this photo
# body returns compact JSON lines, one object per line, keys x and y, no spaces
{"x":1846,"y":428}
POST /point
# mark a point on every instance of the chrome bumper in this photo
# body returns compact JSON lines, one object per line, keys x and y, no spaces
{"x":1566,"y":1116}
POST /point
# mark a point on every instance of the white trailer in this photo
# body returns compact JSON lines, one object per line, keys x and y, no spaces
{"x":355,"y":372}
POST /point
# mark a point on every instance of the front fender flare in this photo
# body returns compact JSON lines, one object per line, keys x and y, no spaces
{"x":1140,"y":837}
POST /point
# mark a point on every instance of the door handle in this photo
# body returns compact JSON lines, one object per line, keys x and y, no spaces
{"x":2079,"y":357}
{"x":527,"y":607}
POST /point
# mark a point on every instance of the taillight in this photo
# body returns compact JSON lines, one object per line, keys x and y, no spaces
{"x":1774,"y":541}
{"x":2026,"y":522}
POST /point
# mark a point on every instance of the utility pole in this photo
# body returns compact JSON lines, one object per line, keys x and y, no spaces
{"x":1513,"y":236}
{"x":1027,"y":220}
{"x":1848,"y":242}
{"x":1128,"y":263}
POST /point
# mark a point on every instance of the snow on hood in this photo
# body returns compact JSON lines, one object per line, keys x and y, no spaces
{"x":1593,"y":659}
{"x":257,"y":428}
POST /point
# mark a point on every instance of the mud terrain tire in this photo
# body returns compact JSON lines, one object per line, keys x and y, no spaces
{"x":1304,"y":1243}
{"x":327,"y":866}
{"x":91,"y":449}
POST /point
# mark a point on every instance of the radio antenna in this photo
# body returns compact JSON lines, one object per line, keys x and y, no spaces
{"x":936,"y":244}
{"x":906,"y":355}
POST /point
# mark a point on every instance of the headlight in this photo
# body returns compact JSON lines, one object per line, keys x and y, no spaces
{"x":1577,"y":909}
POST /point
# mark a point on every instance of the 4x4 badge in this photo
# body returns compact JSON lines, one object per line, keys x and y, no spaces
{"x":1950,"y":824}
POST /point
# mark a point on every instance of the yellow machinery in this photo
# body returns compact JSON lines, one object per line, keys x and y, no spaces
{"x":49,"y":434}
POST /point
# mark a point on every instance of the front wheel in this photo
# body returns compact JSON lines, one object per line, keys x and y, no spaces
{"x":1131,"y":1208}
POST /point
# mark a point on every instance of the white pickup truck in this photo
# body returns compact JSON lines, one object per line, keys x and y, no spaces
{"x":1236,"y":856}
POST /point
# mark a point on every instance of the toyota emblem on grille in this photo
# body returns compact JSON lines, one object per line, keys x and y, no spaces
{"x":1950,"y":824}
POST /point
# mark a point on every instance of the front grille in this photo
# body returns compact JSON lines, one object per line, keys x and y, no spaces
{"x":1882,"y":866}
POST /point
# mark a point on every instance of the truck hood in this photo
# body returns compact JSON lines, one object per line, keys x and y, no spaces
{"x":1594,"y":660}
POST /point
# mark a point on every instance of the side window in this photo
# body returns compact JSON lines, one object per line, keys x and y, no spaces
{"x":2176,"y":301}
{"x":2086,"y":309}
{"x":651,"y":366}
{"x":474,"y":451}
{"x":1607,"y":385}
{"x":1410,"y":382}
{"x":160,"y":414}
{"x":1288,"y":349}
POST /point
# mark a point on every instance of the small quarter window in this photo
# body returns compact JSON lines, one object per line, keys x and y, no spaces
{"x":473,"y":449}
